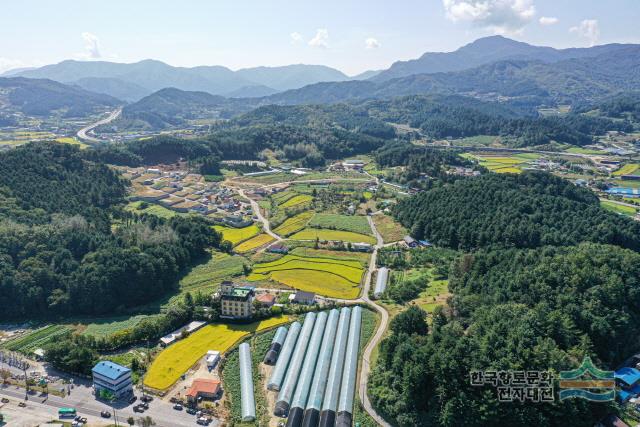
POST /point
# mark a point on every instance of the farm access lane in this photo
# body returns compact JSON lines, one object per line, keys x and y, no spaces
{"x":256,"y":210}
{"x":377,"y":337}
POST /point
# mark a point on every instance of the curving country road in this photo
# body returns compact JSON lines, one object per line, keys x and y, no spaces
{"x":384,"y":315}
{"x":82,"y":133}
{"x":377,"y":337}
{"x":266,"y":227}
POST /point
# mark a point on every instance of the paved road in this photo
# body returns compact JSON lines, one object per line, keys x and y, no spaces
{"x":256,"y":210}
{"x":82,"y":133}
{"x":86,"y":405}
{"x":384,"y":321}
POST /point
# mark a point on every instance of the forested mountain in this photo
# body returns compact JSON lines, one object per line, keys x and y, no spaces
{"x":569,"y":81}
{"x":485,"y":51}
{"x":117,"y":88}
{"x":346,"y":116}
{"x":39,"y":97}
{"x":524,"y":211}
{"x":308,"y":146}
{"x":542,"y":309}
{"x":439,"y":116}
{"x":60,"y":251}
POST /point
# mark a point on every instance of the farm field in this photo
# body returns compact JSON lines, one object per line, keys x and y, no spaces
{"x":297,"y":201}
{"x":628,"y":169}
{"x":294,"y":224}
{"x":617,"y":208}
{"x":72,"y":141}
{"x":151,"y":209}
{"x":353,"y":223}
{"x":389,"y":229}
{"x":207,"y":275}
{"x":580,"y":150}
{"x":101,"y":328}
{"x":36,"y":338}
{"x":237,"y":235}
{"x":362,"y":258}
{"x":333,"y":235}
{"x":504,"y":164}
{"x":254,"y":243}
{"x":176,"y":359}
{"x":435,"y":295}
{"x":336,"y":278}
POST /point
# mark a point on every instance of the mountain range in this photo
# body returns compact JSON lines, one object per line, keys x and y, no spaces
{"x":131,"y":82}
{"x":492,"y":68}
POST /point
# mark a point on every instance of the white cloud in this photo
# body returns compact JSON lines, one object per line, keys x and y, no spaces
{"x":500,"y":16}
{"x":321,"y":39}
{"x":548,"y":20}
{"x":296,"y":38}
{"x":91,"y":46}
{"x":588,"y":29}
{"x":7,"y":64}
{"x":371,"y":43}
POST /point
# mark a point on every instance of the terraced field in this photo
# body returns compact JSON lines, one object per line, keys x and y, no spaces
{"x":504,"y":164}
{"x":36,"y":339}
{"x":237,"y":235}
{"x":628,"y":169}
{"x":353,"y":223}
{"x":297,"y":200}
{"x":336,"y":278}
{"x":254,"y":243}
{"x":294,"y":224}
{"x":207,"y":275}
{"x":176,"y":359}
{"x":361,"y":257}
{"x":333,"y":235}
{"x":105,"y":327}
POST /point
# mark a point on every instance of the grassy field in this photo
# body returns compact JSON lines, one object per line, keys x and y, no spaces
{"x":208,"y":274}
{"x":580,"y":150}
{"x":104,"y":327}
{"x":353,"y":223}
{"x":435,"y":295}
{"x":336,"y":278}
{"x":237,"y":235}
{"x":628,"y":169}
{"x":333,"y":235}
{"x":176,"y":359}
{"x":294,"y":224}
{"x":619,"y":209}
{"x":36,"y":339}
{"x":254,"y":243}
{"x":390,"y":230}
{"x":297,"y":201}
{"x":151,"y":209}
{"x":72,"y":141}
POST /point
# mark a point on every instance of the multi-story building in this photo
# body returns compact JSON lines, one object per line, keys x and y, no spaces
{"x":111,"y":379}
{"x":236,"y":302}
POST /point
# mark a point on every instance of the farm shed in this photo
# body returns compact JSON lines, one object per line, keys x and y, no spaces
{"x":205,"y":388}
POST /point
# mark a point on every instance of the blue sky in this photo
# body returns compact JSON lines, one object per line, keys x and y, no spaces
{"x":351,"y":35}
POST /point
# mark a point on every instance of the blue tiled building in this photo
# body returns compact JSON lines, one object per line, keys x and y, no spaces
{"x":113,"y":378}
